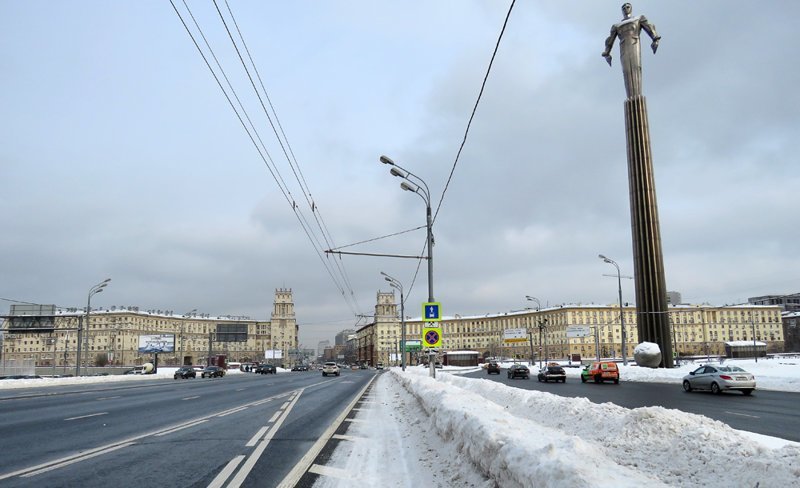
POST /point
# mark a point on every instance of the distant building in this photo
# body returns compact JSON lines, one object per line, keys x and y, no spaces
{"x":341,"y":337}
{"x":789,"y":303}
{"x":697,"y":330}
{"x":48,"y":336}
{"x":321,"y":347}
{"x":674,"y":298}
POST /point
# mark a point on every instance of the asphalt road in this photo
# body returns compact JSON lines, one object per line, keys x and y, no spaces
{"x":240,"y":430}
{"x":772,"y":413}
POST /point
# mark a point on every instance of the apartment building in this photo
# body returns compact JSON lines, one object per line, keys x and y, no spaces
{"x":696,"y":329}
{"x":112,"y":336}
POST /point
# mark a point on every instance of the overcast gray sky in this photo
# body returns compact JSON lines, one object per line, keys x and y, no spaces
{"x":122,"y":158}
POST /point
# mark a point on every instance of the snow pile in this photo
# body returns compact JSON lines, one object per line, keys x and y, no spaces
{"x":516,"y":436}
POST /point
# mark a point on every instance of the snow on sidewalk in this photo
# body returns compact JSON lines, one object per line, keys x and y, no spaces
{"x":453,"y":431}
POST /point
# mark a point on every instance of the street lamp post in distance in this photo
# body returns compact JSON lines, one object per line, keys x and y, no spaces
{"x":92,"y":291}
{"x":621,"y":313}
{"x":395,"y":283}
{"x":530,"y":337}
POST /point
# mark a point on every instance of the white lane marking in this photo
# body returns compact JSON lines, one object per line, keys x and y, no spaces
{"x":75,"y":460}
{"x":284,"y":405}
{"x":225,"y":473}
{"x":109,"y":398}
{"x":241,"y":389}
{"x":232,"y":411}
{"x":275,"y":417}
{"x":248,"y":465}
{"x":185,"y":426}
{"x":87,"y":416}
{"x":743,"y":414}
{"x":191,"y":398}
{"x":331,"y":472}
{"x":254,"y":440}
{"x":302,"y":466}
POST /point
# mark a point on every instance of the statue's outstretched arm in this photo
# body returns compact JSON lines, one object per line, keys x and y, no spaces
{"x":609,"y":44}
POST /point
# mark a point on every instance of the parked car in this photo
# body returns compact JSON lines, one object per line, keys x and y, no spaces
{"x":719,"y":379}
{"x":379,"y":366}
{"x":212,"y":372}
{"x":266,"y":369}
{"x":600,"y":371}
{"x":330,"y":368}
{"x":492,"y":367}
{"x":363,"y":366}
{"x":552,"y":372}
{"x":185,"y":372}
{"x":518,"y":371}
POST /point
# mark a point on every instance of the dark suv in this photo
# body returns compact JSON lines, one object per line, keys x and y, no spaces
{"x":212,"y":372}
{"x":556,"y":373}
{"x":518,"y":371}
{"x":266,"y":369}
{"x":185,"y":372}
{"x":492,"y":367}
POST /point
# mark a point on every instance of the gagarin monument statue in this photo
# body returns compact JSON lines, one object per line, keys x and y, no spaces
{"x":652,"y":320}
{"x":630,"y":52}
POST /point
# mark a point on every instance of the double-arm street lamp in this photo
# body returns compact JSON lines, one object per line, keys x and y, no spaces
{"x":621,"y":313}
{"x":92,"y":292}
{"x":394,"y":283}
{"x":425,"y":194}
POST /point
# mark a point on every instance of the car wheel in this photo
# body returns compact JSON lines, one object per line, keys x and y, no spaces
{"x":598,"y":378}
{"x":687,"y":387}
{"x":747,"y":392}
{"x":715,"y":388}
{"x":616,"y":381}
{"x":583,"y":379}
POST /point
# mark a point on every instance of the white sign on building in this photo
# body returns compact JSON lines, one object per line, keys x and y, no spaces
{"x":579,"y":331}
{"x":273,"y":354}
{"x":515,"y":335}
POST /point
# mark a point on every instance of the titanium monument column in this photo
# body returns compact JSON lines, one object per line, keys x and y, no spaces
{"x":651,"y":291}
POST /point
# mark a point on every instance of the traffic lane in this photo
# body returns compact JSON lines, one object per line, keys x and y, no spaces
{"x":317,"y":409}
{"x":181,"y":454}
{"x":771,"y":413}
{"x":62,"y":424}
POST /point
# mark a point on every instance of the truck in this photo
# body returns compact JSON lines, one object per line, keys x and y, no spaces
{"x":218,"y":360}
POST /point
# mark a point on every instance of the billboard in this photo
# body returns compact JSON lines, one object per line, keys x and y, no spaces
{"x":157,"y":343}
{"x":578,"y":331}
{"x":515,"y":335}
{"x":31,"y":318}
{"x":231,"y":333}
{"x":273,"y":354}
{"x":413,"y":345}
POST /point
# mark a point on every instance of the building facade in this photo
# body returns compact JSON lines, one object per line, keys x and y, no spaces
{"x":696,"y":330}
{"x":112,"y":336}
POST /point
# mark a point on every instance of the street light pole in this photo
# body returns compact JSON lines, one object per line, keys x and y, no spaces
{"x":92,"y":291}
{"x":425,"y":194}
{"x":621,"y":313}
{"x":395,"y":283}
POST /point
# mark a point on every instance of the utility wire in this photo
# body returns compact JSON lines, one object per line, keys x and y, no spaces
{"x":474,"y":109}
{"x":284,"y":191}
{"x":294,"y":167}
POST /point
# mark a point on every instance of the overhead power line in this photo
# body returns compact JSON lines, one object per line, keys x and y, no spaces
{"x":474,"y":109}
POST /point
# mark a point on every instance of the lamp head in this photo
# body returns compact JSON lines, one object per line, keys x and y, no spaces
{"x":407,"y":187}
{"x":396,"y":172}
{"x":386,"y":160}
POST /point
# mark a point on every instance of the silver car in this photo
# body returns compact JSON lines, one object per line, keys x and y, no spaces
{"x":720,"y":378}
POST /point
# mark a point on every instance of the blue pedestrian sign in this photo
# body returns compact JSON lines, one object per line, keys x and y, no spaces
{"x":431,"y":312}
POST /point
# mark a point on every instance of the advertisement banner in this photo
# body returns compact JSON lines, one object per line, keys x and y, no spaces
{"x":515,"y":335}
{"x":273,"y":354}
{"x":157,"y":343}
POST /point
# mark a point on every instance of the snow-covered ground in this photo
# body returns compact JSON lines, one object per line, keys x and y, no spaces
{"x":455,"y":431}
{"x":466,"y":432}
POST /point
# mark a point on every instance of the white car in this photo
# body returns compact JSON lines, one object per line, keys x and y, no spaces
{"x":330,"y":368}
